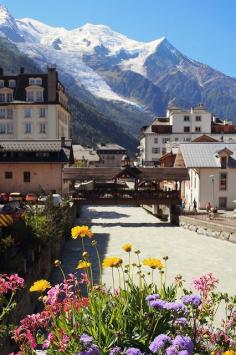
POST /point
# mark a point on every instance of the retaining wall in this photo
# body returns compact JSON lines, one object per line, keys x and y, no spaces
{"x":210,"y":229}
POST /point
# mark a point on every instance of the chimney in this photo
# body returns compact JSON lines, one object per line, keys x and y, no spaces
{"x":63,"y":142}
{"x":1,"y":71}
{"x":22,"y":70}
{"x":52,"y":83}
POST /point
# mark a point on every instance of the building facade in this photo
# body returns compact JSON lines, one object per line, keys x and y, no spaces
{"x":181,"y":126}
{"x":33,"y":106}
{"x":33,"y":166}
{"x":110,"y":155}
{"x":212,"y":172}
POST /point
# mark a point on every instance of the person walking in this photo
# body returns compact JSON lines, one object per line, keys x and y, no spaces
{"x":194,"y":205}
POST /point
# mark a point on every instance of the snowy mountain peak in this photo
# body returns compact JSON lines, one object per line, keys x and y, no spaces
{"x":8,"y":26}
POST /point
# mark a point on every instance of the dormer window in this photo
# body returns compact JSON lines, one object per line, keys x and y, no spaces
{"x":39,"y":96}
{"x":31,"y":81}
{"x":30,"y":96}
{"x":224,"y":155}
{"x":12,"y":83}
{"x":38,"y":81}
{"x":223,"y":162}
{"x":1,"y":83}
{"x":35,"y":81}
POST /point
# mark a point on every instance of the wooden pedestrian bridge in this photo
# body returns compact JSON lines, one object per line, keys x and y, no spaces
{"x":126,"y":185}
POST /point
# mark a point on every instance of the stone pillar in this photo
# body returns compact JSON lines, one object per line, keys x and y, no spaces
{"x":174,"y":214}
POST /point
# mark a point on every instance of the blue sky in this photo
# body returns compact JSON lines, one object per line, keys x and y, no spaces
{"x":204,"y":30}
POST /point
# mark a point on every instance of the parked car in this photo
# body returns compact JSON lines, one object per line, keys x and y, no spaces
{"x":4,"y":197}
{"x":16,"y":196}
{"x":31,"y":197}
{"x":56,"y":199}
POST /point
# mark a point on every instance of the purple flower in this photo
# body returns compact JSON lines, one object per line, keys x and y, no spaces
{"x":183,"y":343}
{"x":152,"y":297}
{"x":157,"y":304}
{"x":86,"y":339}
{"x":115,"y":351}
{"x":181,"y":321}
{"x":193,"y":300}
{"x":176,"y":306}
{"x":172,"y":350}
{"x":184,"y":352}
{"x":133,"y":351}
{"x":93,"y":350}
{"x":159,"y":343}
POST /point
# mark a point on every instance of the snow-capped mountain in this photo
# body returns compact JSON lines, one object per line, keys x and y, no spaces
{"x":113,"y":67}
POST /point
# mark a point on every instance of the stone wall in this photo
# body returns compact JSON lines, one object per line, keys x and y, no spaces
{"x":209,"y":229}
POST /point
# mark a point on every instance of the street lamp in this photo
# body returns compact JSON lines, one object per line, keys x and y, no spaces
{"x":212,"y":177}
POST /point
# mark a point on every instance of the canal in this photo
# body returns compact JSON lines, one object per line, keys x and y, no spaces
{"x":190,"y":254}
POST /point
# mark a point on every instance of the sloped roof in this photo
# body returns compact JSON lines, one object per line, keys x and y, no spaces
{"x":33,"y":146}
{"x":84,"y":153}
{"x":205,"y":155}
{"x":205,"y":138}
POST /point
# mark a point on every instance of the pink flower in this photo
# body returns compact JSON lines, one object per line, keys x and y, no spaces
{"x":53,"y":294}
{"x":84,"y":279}
{"x":48,"y":341}
{"x":205,"y":284}
{"x":10,"y":283}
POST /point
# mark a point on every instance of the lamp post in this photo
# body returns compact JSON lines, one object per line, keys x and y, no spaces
{"x":212,"y":177}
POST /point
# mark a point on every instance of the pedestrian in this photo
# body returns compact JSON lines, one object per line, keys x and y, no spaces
{"x":195,"y":205}
{"x":208,"y":207}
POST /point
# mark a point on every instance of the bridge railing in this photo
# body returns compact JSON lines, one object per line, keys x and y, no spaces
{"x":128,"y":194}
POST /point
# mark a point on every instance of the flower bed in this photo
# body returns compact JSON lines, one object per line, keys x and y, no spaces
{"x":135,"y":316}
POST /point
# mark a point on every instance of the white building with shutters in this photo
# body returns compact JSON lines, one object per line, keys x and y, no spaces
{"x":181,"y":126}
{"x":212,"y":172}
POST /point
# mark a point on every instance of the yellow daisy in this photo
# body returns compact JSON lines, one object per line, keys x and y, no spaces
{"x":81,"y":231}
{"x":40,"y":286}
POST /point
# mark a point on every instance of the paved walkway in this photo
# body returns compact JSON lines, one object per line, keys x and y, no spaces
{"x":189,"y":254}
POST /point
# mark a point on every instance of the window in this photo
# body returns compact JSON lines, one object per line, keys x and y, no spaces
{"x":9,"y":97}
{"x":9,"y":128}
{"x":186,"y":139}
{"x":223,"y":203}
{"x":186,"y":129}
{"x":42,"y":154}
{"x":42,"y":128}
{"x":31,"y":81}
{"x":9,"y":113}
{"x":223,"y":181}
{"x":2,"y":128}
{"x":42,"y":112}
{"x":198,"y":118}
{"x":223,"y":162}
{"x":2,"y":97}
{"x":1,"y":83}
{"x":165,"y":140}
{"x":27,"y":127}
{"x":8,"y":175}
{"x":2,"y":113}
{"x":176,"y":139}
{"x":38,"y":81}
{"x":186,"y":118}
{"x":155,"y":140}
{"x":12,"y":83}
{"x":163,"y":151}
{"x":197,"y":129}
{"x":39,"y":96}
{"x":26,"y":176}
{"x":156,"y":150}
{"x":27,"y":112}
{"x":30,"y":96}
